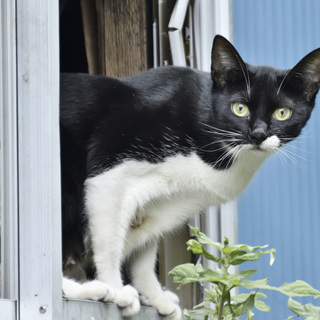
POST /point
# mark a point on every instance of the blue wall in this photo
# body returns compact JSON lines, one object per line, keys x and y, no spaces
{"x":281,"y":207}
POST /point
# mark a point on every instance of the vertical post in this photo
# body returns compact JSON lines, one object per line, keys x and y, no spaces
{"x":228,"y":211}
{"x":38,"y":160}
{"x":214,"y":17}
{"x":8,"y":145}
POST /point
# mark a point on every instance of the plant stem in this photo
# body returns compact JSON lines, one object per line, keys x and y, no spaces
{"x":221,"y":304}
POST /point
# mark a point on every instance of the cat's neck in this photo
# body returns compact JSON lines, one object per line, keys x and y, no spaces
{"x":239,"y":174}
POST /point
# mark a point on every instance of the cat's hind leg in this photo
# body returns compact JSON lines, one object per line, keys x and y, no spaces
{"x":141,"y":268}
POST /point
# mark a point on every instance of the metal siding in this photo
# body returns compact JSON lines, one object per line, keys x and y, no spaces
{"x":281,"y":206}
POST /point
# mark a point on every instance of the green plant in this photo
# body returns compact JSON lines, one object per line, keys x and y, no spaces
{"x":219,"y":303}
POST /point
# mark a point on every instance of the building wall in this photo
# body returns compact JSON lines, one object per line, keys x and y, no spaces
{"x":281,"y":207}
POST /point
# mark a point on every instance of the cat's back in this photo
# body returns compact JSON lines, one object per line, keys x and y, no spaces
{"x":77,"y":88}
{"x":88,"y":98}
{"x":90,"y":95}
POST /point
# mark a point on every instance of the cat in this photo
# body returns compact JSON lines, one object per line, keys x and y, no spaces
{"x":141,"y":155}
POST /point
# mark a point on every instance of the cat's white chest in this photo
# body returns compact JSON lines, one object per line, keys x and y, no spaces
{"x":156,"y":198}
{"x":187,"y":177}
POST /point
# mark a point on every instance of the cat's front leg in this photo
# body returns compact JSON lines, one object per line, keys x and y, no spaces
{"x":109,"y":216}
{"x":141,"y":266}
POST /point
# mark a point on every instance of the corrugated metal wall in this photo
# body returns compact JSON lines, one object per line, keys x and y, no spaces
{"x":281,"y":207}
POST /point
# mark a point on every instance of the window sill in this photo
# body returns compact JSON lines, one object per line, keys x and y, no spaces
{"x":91,"y":310}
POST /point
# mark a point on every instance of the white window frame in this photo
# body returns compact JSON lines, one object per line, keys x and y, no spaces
{"x":31,"y":229}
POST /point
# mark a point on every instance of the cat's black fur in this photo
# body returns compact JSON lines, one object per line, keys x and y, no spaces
{"x":172,"y":110}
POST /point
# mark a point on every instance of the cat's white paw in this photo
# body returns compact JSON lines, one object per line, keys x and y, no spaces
{"x":127,"y":299}
{"x":91,"y":290}
{"x":167,"y":304}
{"x":170,"y":311}
{"x":171,"y":296}
{"x":169,"y":308}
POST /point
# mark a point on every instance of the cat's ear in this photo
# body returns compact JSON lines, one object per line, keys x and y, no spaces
{"x":226,"y":63}
{"x":305,"y":76}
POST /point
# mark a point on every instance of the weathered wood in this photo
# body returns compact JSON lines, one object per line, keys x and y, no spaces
{"x":115,"y":36}
{"x":123,"y":36}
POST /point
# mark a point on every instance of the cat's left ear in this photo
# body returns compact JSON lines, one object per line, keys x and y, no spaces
{"x":226,"y":63}
{"x":305,"y":75}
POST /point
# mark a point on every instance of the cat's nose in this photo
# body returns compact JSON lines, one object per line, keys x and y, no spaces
{"x":258,"y":135}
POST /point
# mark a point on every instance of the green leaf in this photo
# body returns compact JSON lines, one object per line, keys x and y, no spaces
{"x":236,"y":254}
{"x":250,"y":315}
{"x":242,"y":274}
{"x":308,"y":311}
{"x":203,"y":239}
{"x":186,"y":273}
{"x":247,"y":305}
{"x":299,"y":289}
{"x":205,"y":302}
{"x":212,"y":296}
{"x":210,"y":256}
{"x":209,"y":275}
{"x":244,"y":247}
{"x":260,"y":305}
{"x":207,"y":311}
{"x":253,"y":284}
{"x":294,"y":289}
{"x":195,"y":246}
{"x":253,"y":257}
{"x":239,"y":298}
{"x":246,"y":257}
{"x":187,"y":314}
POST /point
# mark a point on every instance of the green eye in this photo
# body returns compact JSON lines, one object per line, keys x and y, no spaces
{"x":282,"y":113}
{"x":240,"y":109}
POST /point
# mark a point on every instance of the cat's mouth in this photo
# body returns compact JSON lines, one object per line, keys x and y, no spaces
{"x":270,"y":144}
{"x":257,"y":148}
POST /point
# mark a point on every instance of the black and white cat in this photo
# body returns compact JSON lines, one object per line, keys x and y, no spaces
{"x":141,"y":155}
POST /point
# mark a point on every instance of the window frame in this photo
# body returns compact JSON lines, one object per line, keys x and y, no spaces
{"x":31,"y":206}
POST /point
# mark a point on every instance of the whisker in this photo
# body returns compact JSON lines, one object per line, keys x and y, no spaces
{"x":235,"y":152}
{"x":291,"y":156}
{"x":282,"y":158}
{"x":221,"y":141}
{"x":215,"y":130}
{"x":232,"y":153}
{"x":227,"y":134}
{"x":294,"y":154}
{"x":295,"y":148}
{"x":222,"y":157}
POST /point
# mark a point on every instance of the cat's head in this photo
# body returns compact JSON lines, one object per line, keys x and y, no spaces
{"x":256,"y":107}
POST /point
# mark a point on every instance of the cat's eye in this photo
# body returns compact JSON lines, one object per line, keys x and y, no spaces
{"x":240,"y":109}
{"x":282,"y":113}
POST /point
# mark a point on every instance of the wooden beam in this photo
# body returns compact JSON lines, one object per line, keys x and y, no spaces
{"x":122,"y":36}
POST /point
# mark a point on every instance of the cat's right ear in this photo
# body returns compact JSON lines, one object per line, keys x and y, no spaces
{"x":226,"y":63}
